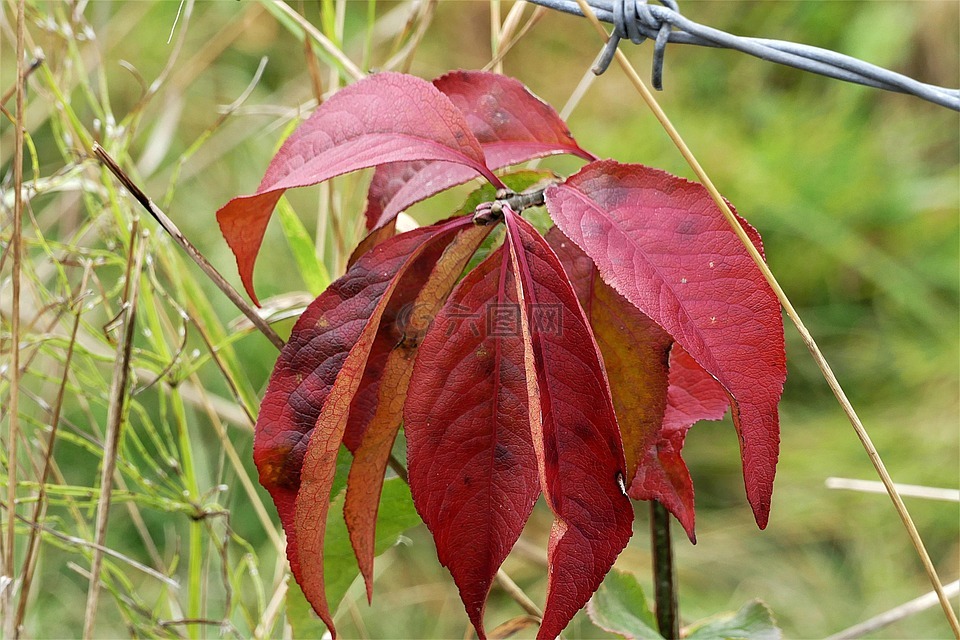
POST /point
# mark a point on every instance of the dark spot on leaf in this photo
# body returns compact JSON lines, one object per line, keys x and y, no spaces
{"x":688,"y":227}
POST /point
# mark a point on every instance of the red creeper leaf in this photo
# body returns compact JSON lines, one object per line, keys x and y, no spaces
{"x":365,"y":480}
{"x":473,"y":472}
{"x":653,"y":417}
{"x":387,"y":117}
{"x":512,"y":125}
{"x":579,"y":452}
{"x":335,"y":330}
{"x":693,"y":395}
{"x":635,"y":351}
{"x":661,"y":242}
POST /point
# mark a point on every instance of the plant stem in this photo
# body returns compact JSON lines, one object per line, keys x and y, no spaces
{"x":664,"y":582}
{"x":115,"y":418}
{"x":195,"y":554}
{"x":192,"y":251}
{"x":7,"y":546}
{"x":514,"y":591}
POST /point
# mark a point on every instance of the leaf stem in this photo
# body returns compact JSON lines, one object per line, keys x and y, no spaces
{"x":664,"y":576}
{"x":491,"y":212}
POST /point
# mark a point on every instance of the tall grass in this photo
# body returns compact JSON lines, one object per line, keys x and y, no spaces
{"x":855,"y":192}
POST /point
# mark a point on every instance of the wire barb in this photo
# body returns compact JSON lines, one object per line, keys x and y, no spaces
{"x":628,"y":15}
{"x":638,"y":20}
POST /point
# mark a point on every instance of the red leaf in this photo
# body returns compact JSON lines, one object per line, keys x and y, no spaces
{"x":693,"y":395}
{"x":635,"y":352}
{"x":324,"y":340}
{"x":387,"y":117}
{"x":577,"y":441}
{"x":512,"y":125}
{"x":365,"y":480}
{"x":473,"y":472}
{"x":661,"y":242}
{"x":655,"y":407}
{"x":372,"y":239}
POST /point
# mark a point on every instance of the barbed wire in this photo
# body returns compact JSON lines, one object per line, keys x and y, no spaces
{"x":638,"y":21}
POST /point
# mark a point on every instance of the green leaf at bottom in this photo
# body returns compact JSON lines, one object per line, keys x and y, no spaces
{"x":753,"y":621}
{"x":619,"y":606}
{"x":396,"y":515}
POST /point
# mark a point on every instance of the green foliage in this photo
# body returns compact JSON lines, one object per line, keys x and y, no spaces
{"x":312,"y":270}
{"x":395,"y":516}
{"x":753,"y":621}
{"x":621,"y":607}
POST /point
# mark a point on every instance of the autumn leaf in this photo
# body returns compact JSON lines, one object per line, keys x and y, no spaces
{"x":473,"y":471}
{"x":337,"y":330}
{"x":661,"y":242}
{"x":383,"y":421}
{"x":571,"y":365}
{"x":372,"y":239}
{"x":386,"y":117}
{"x":511,"y":124}
{"x":635,"y":351}
{"x":662,"y":475}
{"x":575,"y":433}
{"x":656,"y":404}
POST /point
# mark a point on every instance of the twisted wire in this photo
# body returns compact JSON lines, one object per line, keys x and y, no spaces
{"x":637,"y":20}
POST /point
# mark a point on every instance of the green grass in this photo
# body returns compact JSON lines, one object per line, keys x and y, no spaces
{"x":855,"y":192}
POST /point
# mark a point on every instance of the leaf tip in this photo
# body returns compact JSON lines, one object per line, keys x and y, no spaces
{"x":368,"y":581}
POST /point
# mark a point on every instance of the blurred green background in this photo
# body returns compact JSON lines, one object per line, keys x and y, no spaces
{"x":856,"y":193}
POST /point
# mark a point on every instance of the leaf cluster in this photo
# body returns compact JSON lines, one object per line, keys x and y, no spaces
{"x":568,"y":365}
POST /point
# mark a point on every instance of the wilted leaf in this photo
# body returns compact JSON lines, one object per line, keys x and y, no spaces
{"x":511,"y":124}
{"x":575,"y":433}
{"x":473,"y":472}
{"x":386,"y":117}
{"x":661,"y":242}
{"x":620,"y":606}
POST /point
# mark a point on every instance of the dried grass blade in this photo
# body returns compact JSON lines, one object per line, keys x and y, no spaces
{"x":115,"y":417}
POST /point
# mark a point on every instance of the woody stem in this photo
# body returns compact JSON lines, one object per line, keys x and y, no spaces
{"x":664,"y":578}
